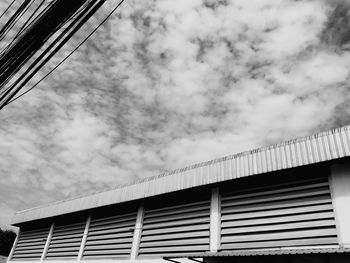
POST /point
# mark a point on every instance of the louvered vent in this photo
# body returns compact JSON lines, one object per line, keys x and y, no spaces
{"x":66,"y":240}
{"x":110,"y":236}
{"x":176,"y":229}
{"x":298,"y":214}
{"x":31,"y":244}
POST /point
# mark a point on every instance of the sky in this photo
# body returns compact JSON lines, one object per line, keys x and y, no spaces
{"x":165,"y":84}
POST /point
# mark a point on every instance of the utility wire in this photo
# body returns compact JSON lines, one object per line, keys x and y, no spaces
{"x":28,"y":20}
{"x":82,"y":17}
{"x":25,"y":47}
{"x":71,"y":53}
{"x":27,"y":26}
{"x":13,"y":19}
{"x":7,"y":30}
{"x":31,"y":41}
{"x":82,"y":20}
{"x":7,"y":8}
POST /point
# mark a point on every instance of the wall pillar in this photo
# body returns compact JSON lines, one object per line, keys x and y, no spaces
{"x":215,"y":220}
{"x":48,"y":240}
{"x":13,"y":246}
{"x":83,"y":241}
{"x":137,"y":232}
{"x":340,"y":191}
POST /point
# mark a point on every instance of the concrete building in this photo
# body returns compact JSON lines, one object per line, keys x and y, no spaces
{"x":288,"y":202}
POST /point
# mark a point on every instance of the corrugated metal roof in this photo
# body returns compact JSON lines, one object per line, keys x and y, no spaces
{"x":312,"y":149}
{"x":270,"y":251}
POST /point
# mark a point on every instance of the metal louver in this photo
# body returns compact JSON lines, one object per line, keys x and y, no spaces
{"x":110,"y":236}
{"x":176,"y":229}
{"x":294,"y":214}
{"x":66,"y":240}
{"x":31,"y":244}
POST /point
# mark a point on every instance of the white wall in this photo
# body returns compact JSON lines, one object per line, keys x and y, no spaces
{"x":340,"y":190}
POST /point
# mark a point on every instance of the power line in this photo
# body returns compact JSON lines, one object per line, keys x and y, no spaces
{"x":12,"y":59}
{"x":7,"y":8}
{"x":71,"y":53}
{"x":28,"y":20}
{"x":19,"y":33}
{"x":8,"y":46}
{"x":82,"y":17}
{"x":26,"y":26}
{"x":13,"y":19}
{"x":31,"y":41}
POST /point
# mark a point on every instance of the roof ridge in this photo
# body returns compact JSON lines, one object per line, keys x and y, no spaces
{"x":198,"y":165}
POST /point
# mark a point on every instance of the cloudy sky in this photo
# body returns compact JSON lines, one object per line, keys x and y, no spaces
{"x":165,"y":84}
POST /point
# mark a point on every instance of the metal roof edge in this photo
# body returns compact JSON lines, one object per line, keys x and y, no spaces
{"x":338,"y":146}
{"x":269,"y":251}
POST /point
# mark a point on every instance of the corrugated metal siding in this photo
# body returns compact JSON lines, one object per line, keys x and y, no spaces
{"x":110,"y":236}
{"x":175,"y":229}
{"x":308,"y":150}
{"x":294,"y":214}
{"x":66,"y":240}
{"x":270,"y":251}
{"x":31,"y":244}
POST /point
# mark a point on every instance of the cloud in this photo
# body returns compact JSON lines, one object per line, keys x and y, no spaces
{"x":165,"y":84}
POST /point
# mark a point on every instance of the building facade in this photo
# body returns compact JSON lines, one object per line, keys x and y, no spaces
{"x":288,"y":202}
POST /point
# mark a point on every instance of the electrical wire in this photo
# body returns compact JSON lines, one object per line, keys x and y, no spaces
{"x":82,"y":20}
{"x":24,"y":29}
{"x":26,"y":5}
{"x":32,"y":41}
{"x":14,"y":19}
{"x":71,"y":53}
{"x":91,"y":4}
{"x":7,"y":8}
{"x":81,"y":10}
{"x":28,"y":20}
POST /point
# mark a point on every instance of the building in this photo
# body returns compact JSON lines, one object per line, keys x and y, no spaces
{"x":288,"y":202}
